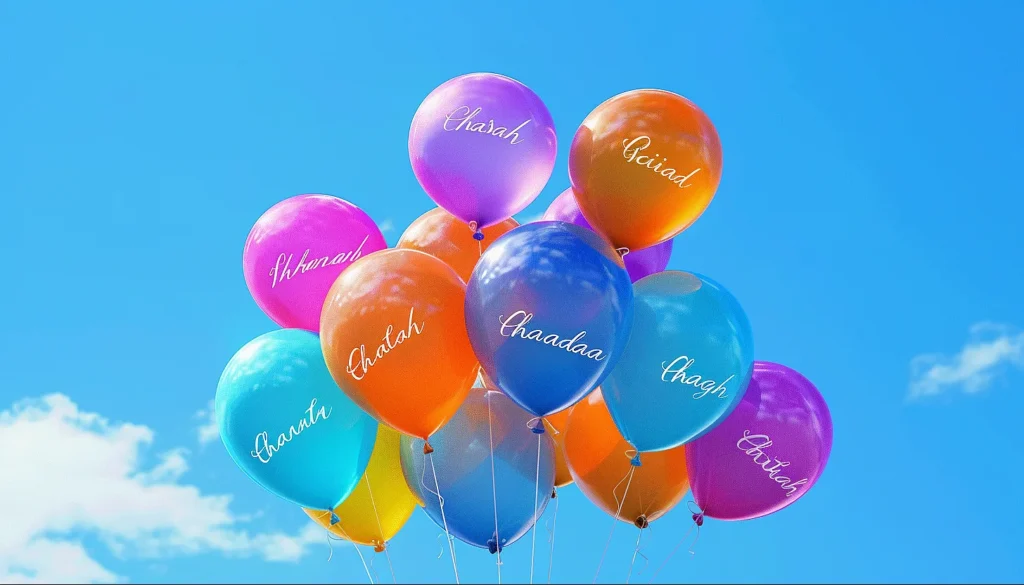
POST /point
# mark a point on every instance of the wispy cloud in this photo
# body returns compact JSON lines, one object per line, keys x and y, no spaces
{"x":388,"y":225}
{"x":207,"y":431}
{"x":71,"y":475}
{"x":990,"y":350}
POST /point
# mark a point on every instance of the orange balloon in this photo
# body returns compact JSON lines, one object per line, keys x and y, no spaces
{"x":599,"y":460}
{"x":393,"y":332}
{"x":441,"y":234}
{"x":555,"y":424}
{"x":644,"y":165}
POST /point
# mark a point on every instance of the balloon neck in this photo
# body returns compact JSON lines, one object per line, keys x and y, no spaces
{"x":622,"y":252}
{"x":536,"y":425}
{"x":334,"y":519}
{"x":635,"y":461}
{"x":477,"y":234}
{"x":554,"y":493}
{"x":641,"y":522}
{"x":427,"y":449}
{"x":379,"y":547}
{"x":493,"y":546}
{"x":698,"y":519}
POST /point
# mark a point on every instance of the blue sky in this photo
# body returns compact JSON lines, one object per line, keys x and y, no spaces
{"x":868,"y":219}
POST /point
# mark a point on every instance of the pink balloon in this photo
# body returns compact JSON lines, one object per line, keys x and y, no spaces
{"x":296,"y":251}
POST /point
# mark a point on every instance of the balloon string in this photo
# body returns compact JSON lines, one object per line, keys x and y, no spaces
{"x":372,"y":558}
{"x":636,"y":550}
{"x":444,"y":520}
{"x":628,"y":479}
{"x":554,"y":520}
{"x":536,"y":490}
{"x":675,"y":550}
{"x":494,"y":488}
{"x":331,"y":537}
{"x":384,"y":544}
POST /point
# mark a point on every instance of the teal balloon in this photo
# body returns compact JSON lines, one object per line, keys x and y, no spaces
{"x":288,"y":426}
{"x":687,"y":364}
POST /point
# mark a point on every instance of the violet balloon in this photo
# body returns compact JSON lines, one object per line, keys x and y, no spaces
{"x":482,"y":146}
{"x":767,"y":453}
{"x":639,"y":263}
{"x":296,"y":251}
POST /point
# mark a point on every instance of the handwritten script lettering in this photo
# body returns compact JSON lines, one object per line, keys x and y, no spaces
{"x":463,"y":119}
{"x":265,"y":450}
{"x":515,"y":326}
{"x":359,"y":363}
{"x":283,"y":269}
{"x":754,"y":446}
{"x":678,"y":369}
{"x":631,"y":150}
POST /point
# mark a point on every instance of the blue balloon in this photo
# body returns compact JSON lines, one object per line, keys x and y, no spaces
{"x":548,"y":309}
{"x":288,"y":426}
{"x":462,"y":457}
{"x":687,"y":364}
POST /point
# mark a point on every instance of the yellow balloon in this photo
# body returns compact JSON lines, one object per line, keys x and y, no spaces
{"x":381,"y":503}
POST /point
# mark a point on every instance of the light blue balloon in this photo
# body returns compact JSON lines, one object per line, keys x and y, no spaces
{"x":548,"y":309}
{"x":687,"y":364}
{"x":286,"y":423}
{"x":462,"y":458}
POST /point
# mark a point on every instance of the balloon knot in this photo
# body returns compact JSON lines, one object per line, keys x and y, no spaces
{"x":334,"y":519}
{"x":698,"y":519}
{"x":536,"y":425}
{"x":493,"y":546}
{"x":379,"y":547}
{"x":478,"y":235}
{"x":554,"y":494}
{"x":635,"y":461}
{"x":622,"y":252}
{"x":427,"y":449}
{"x":641,"y":522}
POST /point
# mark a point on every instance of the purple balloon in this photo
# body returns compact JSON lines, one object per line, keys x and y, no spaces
{"x":639,"y":264}
{"x":483,"y":147}
{"x":767,"y":453}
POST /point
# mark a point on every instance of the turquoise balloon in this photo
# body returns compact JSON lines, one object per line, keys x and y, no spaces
{"x":287,"y":424}
{"x":687,"y":364}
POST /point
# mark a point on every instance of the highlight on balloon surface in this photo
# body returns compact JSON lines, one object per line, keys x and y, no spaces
{"x":298,"y":248}
{"x":639,"y":263}
{"x":644,"y":165}
{"x":548,"y":310}
{"x":286,"y":425}
{"x":687,"y":363}
{"x":381,"y":503}
{"x":393,"y":333}
{"x":600,"y":462}
{"x":447,"y":238}
{"x":768,"y":453}
{"x":482,"y":146}
{"x":486,"y":459}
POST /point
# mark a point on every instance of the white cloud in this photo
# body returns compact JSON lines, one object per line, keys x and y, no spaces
{"x":386,"y":226}
{"x":68,"y":473}
{"x":207,"y":431}
{"x":990,"y":350}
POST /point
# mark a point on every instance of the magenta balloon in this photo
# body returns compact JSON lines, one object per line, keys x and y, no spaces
{"x":767,"y":453}
{"x":639,"y":264}
{"x":483,"y":147}
{"x":296,"y":251}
